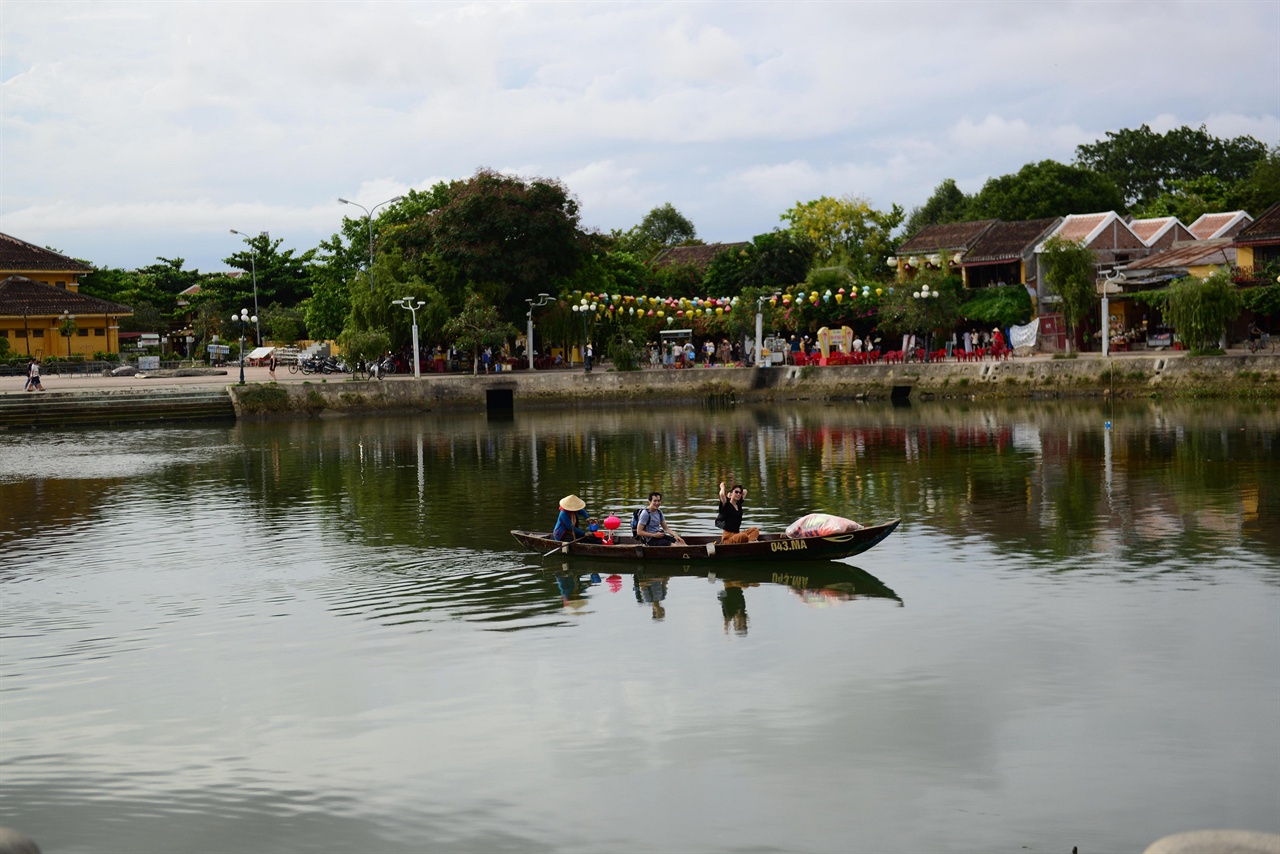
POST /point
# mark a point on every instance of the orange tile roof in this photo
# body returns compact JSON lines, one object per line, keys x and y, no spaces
{"x":1078,"y":227}
{"x":1213,"y":224}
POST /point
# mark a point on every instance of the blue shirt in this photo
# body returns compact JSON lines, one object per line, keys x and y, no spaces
{"x":567,"y":525}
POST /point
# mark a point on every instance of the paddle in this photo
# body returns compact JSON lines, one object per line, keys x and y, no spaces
{"x":566,"y":543}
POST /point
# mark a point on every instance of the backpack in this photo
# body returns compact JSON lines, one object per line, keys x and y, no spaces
{"x":635,"y":521}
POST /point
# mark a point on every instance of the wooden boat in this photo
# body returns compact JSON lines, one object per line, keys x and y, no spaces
{"x":770,"y":547}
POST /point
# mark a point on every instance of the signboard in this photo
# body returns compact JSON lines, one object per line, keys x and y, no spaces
{"x":219,"y":349}
{"x":148,"y":363}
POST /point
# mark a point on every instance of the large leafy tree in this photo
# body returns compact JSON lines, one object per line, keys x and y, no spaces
{"x":1143,"y":163}
{"x":947,"y":204}
{"x":772,"y":262}
{"x":282,"y":276}
{"x":845,"y":231}
{"x":1070,"y":271}
{"x":512,"y":236}
{"x":661,"y":227}
{"x":1046,"y":189}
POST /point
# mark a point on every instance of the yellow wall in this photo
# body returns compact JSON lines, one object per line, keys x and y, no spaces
{"x":52,"y":343}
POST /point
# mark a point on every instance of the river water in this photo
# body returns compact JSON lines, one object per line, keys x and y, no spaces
{"x":321,"y":636}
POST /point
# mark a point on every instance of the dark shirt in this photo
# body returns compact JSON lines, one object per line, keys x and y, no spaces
{"x":729,"y":519}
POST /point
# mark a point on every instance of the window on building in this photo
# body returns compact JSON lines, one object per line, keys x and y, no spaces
{"x":99,"y":332}
{"x":62,"y":285}
{"x":19,"y":333}
{"x":83,"y":333}
{"x":37,"y":333}
{"x":4,"y":333}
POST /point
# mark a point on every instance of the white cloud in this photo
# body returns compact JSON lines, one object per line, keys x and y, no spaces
{"x":119,"y":117}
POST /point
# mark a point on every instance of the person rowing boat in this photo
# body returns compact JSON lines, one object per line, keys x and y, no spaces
{"x":572,"y":514}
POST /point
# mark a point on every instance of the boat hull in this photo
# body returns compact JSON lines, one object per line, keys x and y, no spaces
{"x":770,"y":547}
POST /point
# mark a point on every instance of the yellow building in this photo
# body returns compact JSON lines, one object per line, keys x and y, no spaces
{"x":42,"y":312}
{"x":1258,"y":244}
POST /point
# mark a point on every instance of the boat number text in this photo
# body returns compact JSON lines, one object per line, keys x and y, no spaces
{"x":788,"y":545}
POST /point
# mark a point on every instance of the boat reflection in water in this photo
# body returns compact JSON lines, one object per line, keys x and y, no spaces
{"x":816,"y":585}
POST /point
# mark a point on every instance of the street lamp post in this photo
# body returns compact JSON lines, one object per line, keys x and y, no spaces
{"x":582,"y":310}
{"x":1111,"y":283}
{"x":924,"y":295}
{"x":244,"y":319}
{"x":412,"y":306}
{"x":542,"y":300}
{"x":253,"y":268}
{"x":368,"y":217}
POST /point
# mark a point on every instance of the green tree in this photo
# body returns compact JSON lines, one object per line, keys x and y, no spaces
{"x":477,"y":326}
{"x":1143,"y":163}
{"x":1261,"y":189}
{"x":509,"y":235}
{"x":395,"y":278}
{"x":1070,"y":270}
{"x":1046,"y":189}
{"x":281,"y":276}
{"x":906,"y":309}
{"x":661,"y":227}
{"x":1007,"y":305}
{"x":947,"y":204}
{"x":845,"y":231}
{"x":280,"y":323}
{"x":326,"y":310}
{"x":364,"y":345}
{"x":1189,"y":198}
{"x":1200,"y":309}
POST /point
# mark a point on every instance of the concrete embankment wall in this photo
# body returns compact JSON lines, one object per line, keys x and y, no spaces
{"x":116,"y":406}
{"x":1222,"y":376}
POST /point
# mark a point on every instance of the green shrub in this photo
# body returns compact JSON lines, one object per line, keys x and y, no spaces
{"x":268,"y":397}
{"x":1201,"y":308}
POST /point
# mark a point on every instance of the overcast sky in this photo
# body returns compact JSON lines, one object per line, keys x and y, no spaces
{"x":135,"y":130}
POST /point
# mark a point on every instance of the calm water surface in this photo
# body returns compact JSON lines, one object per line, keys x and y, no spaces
{"x":321,"y":636}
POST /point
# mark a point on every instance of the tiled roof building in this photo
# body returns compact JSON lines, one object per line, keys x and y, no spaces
{"x":695,"y":256}
{"x":1258,"y":243}
{"x":43,"y":313}
{"x":1213,"y":225}
{"x":20,"y":258}
{"x":1160,"y":232}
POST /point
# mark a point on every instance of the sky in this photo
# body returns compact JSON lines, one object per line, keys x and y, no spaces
{"x":130,"y":131}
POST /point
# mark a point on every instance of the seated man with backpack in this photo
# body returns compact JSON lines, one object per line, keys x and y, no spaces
{"x":651,"y":526}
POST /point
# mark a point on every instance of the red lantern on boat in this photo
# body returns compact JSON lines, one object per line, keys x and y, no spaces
{"x":611,"y":524}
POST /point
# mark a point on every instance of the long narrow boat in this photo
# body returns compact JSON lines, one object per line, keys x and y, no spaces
{"x":772,"y":547}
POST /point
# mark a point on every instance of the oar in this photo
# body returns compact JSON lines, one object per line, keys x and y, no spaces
{"x":566,"y":544}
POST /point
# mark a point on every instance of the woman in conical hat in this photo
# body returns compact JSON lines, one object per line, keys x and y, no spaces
{"x":572,"y":514}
